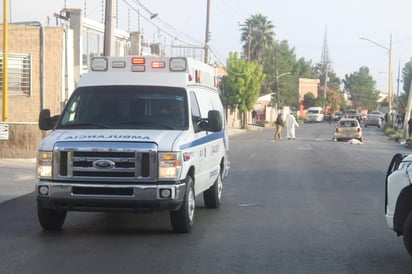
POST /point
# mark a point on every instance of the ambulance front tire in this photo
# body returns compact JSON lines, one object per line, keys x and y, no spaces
{"x":213,"y":196}
{"x":50,"y":219}
{"x":182,"y":219}
{"x":407,"y":233}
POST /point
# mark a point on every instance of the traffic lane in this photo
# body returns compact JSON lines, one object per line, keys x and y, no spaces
{"x":92,"y":243}
{"x":109,"y":243}
{"x":331,"y":197}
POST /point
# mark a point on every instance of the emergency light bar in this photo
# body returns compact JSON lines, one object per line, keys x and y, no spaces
{"x":196,"y":75}
{"x":138,"y":64}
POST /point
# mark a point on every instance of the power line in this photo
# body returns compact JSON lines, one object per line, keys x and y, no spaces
{"x":164,"y":23}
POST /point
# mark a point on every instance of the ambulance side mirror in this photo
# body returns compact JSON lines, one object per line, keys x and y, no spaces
{"x":215,"y":122}
{"x":46,"y":122}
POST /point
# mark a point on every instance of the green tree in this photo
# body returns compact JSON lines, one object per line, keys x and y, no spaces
{"x":335,"y":100}
{"x":304,"y":69}
{"x":361,"y":88}
{"x":407,"y":77}
{"x":309,"y":100}
{"x":279,"y":63}
{"x":242,"y":84}
{"x":258,"y":31}
{"x":334,"y":81}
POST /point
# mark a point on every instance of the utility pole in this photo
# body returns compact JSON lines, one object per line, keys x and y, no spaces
{"x":325,"y":85}
{"x":325,"y":62}
{"x":206,"y":59}
{"x":390,"y":81}
{"x":108,"y":47}
{"x":5,"y":61}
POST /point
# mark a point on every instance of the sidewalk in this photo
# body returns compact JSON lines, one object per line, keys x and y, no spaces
{"x":233,"y":130}
{"x":17,"y":178}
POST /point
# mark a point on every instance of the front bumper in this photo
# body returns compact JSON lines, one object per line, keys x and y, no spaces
{"x":109,"y":197}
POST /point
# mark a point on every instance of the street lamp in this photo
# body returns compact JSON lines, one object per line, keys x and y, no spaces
{"x":390,"y":88}
{"x":277,"y":87}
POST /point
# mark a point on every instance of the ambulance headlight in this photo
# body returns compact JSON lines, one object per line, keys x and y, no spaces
{"x":170,"y":165}
{"x":44,"y":165}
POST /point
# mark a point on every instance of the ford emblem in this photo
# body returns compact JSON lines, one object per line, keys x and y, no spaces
{"x":104,"y":164}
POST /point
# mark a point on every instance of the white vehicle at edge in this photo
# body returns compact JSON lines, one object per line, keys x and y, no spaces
{"x":398,"y":198}
{"x":137,"y":134}
{"x":314,"y":114}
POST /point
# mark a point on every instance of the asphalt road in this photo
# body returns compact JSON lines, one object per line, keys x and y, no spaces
{"x":305,"y":206}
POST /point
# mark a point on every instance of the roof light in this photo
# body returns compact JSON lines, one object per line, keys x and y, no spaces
{"x":138,"y":68}
{"x":118,"y":64}
{"x":99,"y":64}
{"x":138,"y":61}
{"x":158,"y":64}
{"x":177,"y":64}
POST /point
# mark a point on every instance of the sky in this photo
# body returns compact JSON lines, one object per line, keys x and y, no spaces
{"x":302,"y":23}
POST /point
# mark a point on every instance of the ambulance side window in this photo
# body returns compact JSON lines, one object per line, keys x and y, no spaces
{"x":195,"y":111}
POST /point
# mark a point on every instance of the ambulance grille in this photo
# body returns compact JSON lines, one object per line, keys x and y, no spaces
{"x":110,"y":162}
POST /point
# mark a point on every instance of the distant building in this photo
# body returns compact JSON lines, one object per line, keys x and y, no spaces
{"x":308,"y":86}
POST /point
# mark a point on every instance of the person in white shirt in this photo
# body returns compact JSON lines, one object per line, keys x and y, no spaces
{"x":290,"y":126}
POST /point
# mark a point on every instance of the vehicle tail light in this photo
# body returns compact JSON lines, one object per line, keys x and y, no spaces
{"x":336,"y":130}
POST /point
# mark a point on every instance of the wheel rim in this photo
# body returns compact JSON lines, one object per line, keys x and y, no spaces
{"x":191,"y":205}
{"x":219,"y":187}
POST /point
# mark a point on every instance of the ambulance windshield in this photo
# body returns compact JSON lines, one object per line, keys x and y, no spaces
{"x":126,"y":107}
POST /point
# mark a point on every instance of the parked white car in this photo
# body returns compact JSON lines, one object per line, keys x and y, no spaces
{"x":314,"y":114}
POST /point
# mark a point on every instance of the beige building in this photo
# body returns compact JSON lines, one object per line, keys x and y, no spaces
{"x":44,"y":65}
{"x":35,"y":55}
{"x":308,"y":86}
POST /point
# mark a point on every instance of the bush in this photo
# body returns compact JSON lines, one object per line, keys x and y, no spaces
{"x":388,"y":130}
{"x":396,"y":136}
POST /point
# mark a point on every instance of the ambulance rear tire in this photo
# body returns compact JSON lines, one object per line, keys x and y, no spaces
{"x":182,"y":219}
{"x":407,"y":233}
{"x":213,"y":196}
{"x":50,"y":219}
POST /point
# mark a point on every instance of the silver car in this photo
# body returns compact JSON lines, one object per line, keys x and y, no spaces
{"x":373,"y":120}
{"x":348,"y":128}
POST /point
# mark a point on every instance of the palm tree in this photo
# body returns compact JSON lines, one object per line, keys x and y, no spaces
{"x":258,"y":31}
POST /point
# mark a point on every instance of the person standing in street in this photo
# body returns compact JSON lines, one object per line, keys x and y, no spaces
{"x":410,"y":127}
{"x":254,"y":115}
{"x":290,"y":126}
{"x":279,"y":126}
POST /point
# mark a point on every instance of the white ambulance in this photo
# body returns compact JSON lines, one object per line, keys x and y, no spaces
{"x":138,"y":134}
{"x":398,"y":198}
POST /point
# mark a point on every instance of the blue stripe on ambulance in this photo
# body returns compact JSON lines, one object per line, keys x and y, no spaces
{"x":204,"y":140}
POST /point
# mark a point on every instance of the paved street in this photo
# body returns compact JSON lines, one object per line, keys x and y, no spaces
{"x":305,"y":206}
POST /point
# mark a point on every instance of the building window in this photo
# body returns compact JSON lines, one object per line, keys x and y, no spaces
{"x":19,"y":74}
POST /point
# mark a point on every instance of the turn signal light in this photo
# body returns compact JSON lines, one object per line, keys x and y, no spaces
{"x":138,"y":61}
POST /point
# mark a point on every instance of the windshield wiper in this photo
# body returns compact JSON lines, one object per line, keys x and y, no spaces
{"x":146,"y":125}
{"x":82,"y":125}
